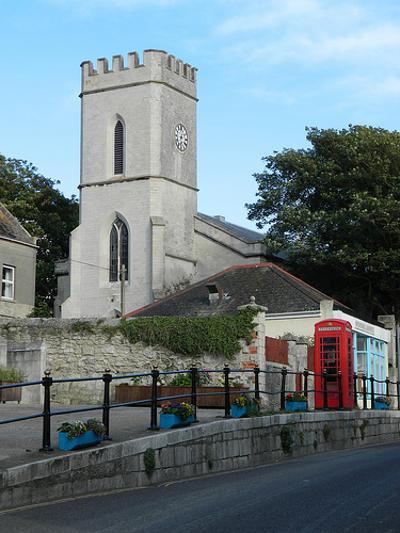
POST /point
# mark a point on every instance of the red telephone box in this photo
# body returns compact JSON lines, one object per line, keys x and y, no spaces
{"x":333,"y":353}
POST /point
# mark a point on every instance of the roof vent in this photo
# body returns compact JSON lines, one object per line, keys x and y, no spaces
{"x":220,"y":218}
{"x":215,"y":293}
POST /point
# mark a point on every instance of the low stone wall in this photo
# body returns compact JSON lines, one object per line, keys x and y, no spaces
{"x":201,"y":449}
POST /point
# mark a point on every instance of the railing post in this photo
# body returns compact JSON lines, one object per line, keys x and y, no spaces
{"x":340,"y":389}
{"x":153,"y":410}
{"x":387,"y":381}
{"x":283,"y":388}
{"x":364,"y":378}
{"x":257,"y":382}
{"x":107,"y":378}
{"x":193,"y":375}
{"x":398,"y":394}
{"x":47,"y":382}
{"x":371,"y":378}
{"x":305,"y":386}
{"x":227,"y":392}
{"x":355,"y":389}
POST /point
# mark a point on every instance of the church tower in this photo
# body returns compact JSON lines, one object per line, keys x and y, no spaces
{"x":138,"y":186}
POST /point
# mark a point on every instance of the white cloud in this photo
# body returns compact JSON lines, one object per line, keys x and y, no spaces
{"x":311,"y":31}
{"x":361,"y":46}
{"x":370,"y":86}
{"x":350,"y":47}
{"x":267,"y":14}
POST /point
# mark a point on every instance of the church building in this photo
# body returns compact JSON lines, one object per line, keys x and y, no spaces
{"x":140,"y":236}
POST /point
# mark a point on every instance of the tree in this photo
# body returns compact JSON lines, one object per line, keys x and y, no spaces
{"x":335,"y":209}
{"x":46,"y":213}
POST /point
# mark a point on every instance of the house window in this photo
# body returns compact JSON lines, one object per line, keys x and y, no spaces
{"x":119,"y":148}
{"x":7,"y":282}
{"x":119,"y":250}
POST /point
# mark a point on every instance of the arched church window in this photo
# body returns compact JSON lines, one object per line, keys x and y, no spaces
{"x":119,"y":250}
{"x":119,"y":148}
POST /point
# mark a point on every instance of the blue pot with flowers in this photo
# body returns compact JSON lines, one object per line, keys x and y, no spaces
{"x":78,"y":434}
{"x":381,"y":402}
{"x":244,"y":406}
{"x":175,"y":415}
{"x":295,"y":402}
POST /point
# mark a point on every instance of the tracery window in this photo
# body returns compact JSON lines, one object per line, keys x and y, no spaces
{"x":119,"y":250}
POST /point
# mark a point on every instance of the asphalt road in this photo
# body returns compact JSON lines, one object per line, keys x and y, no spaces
{"x":357,"y":491}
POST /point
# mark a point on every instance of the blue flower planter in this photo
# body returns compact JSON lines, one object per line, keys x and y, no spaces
{"x":168,"y":421}
{"x":381,"y":405}
{"x":292,"y":407}
{"x":90,"y":438}
{"x":238,"y":412}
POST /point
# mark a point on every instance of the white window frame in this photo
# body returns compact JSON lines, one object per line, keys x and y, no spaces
{"x":6,"y":282}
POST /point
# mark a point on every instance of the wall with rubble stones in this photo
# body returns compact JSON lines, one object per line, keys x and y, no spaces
{"x":76,"y":348}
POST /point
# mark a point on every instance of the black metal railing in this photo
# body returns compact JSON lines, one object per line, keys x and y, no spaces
{"x":365,"y":396}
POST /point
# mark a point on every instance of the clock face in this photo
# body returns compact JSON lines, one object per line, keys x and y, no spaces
{"x":181,"y":137}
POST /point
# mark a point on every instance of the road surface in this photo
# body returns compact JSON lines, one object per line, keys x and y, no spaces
{"x":348,"y":491}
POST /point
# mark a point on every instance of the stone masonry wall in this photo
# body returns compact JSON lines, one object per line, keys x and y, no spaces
{"x":204,"y":448}
{"x":72,"y":348}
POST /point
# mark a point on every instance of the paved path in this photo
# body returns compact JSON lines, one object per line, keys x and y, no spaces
{"x":349,"y":491}
{"x":20,"y":441}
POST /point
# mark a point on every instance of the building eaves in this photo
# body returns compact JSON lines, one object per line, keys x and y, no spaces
{"x":11,"y":229}
{"x":244,"y":234}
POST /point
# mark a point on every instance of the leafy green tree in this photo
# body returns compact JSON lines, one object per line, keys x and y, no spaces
{"x":46,"y":213}
{"x":335,"y":209}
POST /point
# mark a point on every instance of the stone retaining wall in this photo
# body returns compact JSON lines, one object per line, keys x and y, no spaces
{"x":79,"y":348}
{"x":201,"y":449}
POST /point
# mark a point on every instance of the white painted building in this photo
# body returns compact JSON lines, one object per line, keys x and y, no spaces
{"x":374,"y":346}
{"x":138,"y":192}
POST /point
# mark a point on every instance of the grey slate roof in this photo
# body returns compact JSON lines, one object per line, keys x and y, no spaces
{"x":271,"y":286}
{"x":10,"y":228}
{"x":244,"y":234}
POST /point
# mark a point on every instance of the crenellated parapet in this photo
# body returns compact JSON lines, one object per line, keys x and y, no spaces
{"x":158,"y":66}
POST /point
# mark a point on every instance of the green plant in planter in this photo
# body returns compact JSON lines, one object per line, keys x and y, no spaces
{"x":296,"y":397}
{"x":78,"y":427}
{"x":96,"y":426}
{"x":241,"y":401}
{"x":181,"y":380}
{"x":181,"y":409}
{"x":11,"y":375}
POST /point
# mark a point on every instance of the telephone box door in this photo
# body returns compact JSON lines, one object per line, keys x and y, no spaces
{"x":333,"y":354}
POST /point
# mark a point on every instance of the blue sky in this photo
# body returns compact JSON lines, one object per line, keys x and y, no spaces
{"x":267,"y":69}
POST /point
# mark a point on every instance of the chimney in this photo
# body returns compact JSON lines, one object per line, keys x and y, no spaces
{"x":220,"y":218}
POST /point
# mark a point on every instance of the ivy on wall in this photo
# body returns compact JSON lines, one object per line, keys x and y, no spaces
{"x":216,"y":335}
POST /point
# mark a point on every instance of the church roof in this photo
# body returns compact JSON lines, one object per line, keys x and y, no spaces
{"x":244,"y":234}
{"x":10,"y":228}
{"x":272,"y":286}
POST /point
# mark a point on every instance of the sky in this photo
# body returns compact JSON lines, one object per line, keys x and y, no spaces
{"x":267,"y":69}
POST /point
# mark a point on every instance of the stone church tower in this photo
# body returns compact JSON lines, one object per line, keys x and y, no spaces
{"x":138,"y":191}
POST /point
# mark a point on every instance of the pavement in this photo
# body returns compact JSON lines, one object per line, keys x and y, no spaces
{"x":20,"y":441}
